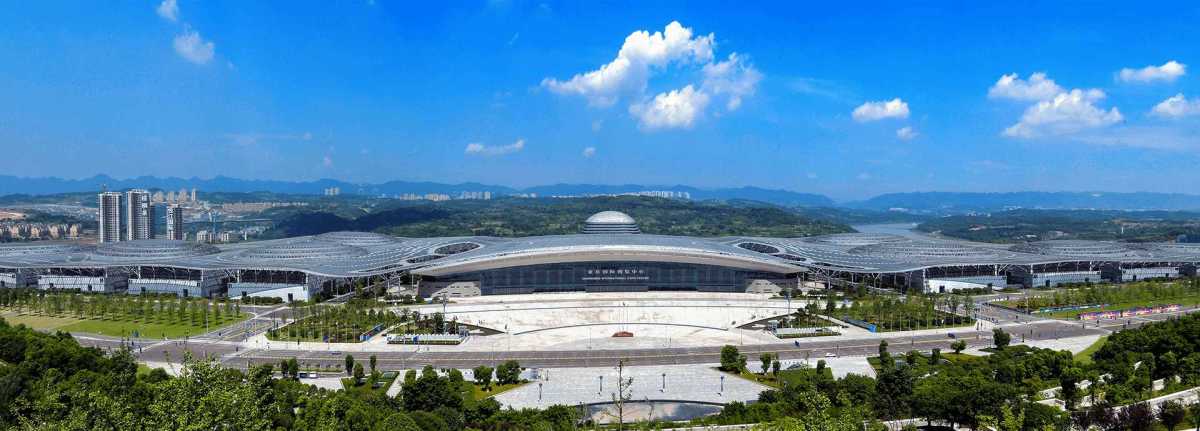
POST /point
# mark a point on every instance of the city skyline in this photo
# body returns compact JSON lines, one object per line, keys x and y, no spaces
{"x":846,"y":103}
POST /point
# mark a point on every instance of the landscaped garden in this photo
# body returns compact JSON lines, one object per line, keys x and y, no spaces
{"x":142,"y":316}
{"x":351,"y":323}
{"x":356,"y":322}
{"x":905,"y":313}
{"x":1069,"y":303}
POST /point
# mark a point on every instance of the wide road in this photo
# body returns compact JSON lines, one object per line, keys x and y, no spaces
{"x":231,"y":354}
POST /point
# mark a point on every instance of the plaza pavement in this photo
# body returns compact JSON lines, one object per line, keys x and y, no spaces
{"x":573,"y":386}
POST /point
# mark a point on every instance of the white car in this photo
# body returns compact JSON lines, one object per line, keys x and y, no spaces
{"x":830,"y":355}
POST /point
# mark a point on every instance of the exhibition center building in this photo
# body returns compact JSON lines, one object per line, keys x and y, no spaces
{"x":609,"y":255}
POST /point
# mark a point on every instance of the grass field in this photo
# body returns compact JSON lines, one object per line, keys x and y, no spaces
{"x":1085,"y":356}
{"x":479,"y":394}
{"x":45,"y":323}
{"x":115,"y":328}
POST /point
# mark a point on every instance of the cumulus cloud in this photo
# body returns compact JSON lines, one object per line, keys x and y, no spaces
{"x":168,"y":10}
{"x":1176,"y":106}
{"x":1168,"y":72}
{"x":478,"y":149}
{"x":194,"y":48}
{"x":644,"y":55}
{"x":733,"y":78}
{"x":872,"y":111}
{"x":674,"y":109}
{"x":641,"y":52}
{"x":1037,"y":88}
{"x":1067,"y":113}
{"x":906,"y":133}
{"x":589,"y":152}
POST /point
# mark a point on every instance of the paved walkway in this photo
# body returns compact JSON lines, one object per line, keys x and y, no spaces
{"x":574,"y":386}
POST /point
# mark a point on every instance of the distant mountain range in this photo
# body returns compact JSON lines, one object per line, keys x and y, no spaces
{"x":957,"y":203}
{"x":45,"y":186}
{"x":927,"y":203}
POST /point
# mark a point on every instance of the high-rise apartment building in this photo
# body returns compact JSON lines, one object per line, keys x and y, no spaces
{"x":193,"y":199}
{"x":110,"y":217}
{"x":139,"y":215}
{"x":175,"y":222}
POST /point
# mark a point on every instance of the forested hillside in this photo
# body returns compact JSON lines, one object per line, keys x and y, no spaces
{"x":524,"y":217}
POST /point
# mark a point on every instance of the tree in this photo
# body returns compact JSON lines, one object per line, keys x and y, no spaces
{"x":373,"y":362}
{"x":483,"y":376}
{"x":730,"y":359}
{"x":358,"y":373}
{"x":893,"y":390}
{"x":349,"y":364}
{"x":885,"y":358}
{"x":1000,"y":338}
{"x":1070,"y":392}
{"x":958,"y":346}
{"x":623,"y":394}
{"x":430,"y":391}
{"x":1194,"y":411}
{"x":1136,"y":417}
{"x":766,"y":359}
{"x":1171,"y":414}
{"x":508,"y":373}
{"x":935,"y":356}
{"x":775,"y":366}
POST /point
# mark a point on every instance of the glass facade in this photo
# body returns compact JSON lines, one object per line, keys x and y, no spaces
{"x":610,"y":277}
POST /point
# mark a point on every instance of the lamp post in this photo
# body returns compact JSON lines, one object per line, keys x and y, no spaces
{"x":664,"y":385}
{"x":601,"y":390}
{"x":722,"y":384}
{"x":539,"y":392}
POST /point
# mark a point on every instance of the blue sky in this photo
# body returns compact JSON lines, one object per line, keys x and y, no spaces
{"x":792,"y":96}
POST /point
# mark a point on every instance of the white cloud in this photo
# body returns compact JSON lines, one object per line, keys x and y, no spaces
{"x":675,"y":109}
{"x":1168,"y":72}
{"x":1177,"y":106}
{"x":1067,"y":113}
{"x":630,"y":71}
{"x":906,"y":133}
{"x":327,"y":161}
{"x":1037,"y":88}
{"x":193,"y":48}
{"x":478,"y":149}
{"x":168,"y":10}
{"x":589,"y":152}
{"x":597,"y":125}
{"x":733,"y":77}
{"x":863,"y":176}
{"x":872,"y":111}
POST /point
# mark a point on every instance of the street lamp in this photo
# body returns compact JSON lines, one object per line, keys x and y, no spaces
{"x":664,"y":386}
{"x":722,"y":384}
{"x":539,"y":392}
{"x":601,"y":384}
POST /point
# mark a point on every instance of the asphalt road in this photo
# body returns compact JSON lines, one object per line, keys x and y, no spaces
{"x":221,"y":347}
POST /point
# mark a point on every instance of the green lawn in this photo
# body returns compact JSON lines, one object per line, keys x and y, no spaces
{"x":116,"y":328}
{"x":45,"y":323}
{"x":1085,"y":355}
{"x":478,"y":393}
{"x":348,"y":383}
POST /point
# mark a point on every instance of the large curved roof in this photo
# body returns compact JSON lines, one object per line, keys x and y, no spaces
{"x":610,"y":217}
{"x":354,"y":254}
{"x":155,"y":249}
{"x":610,"y":222}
